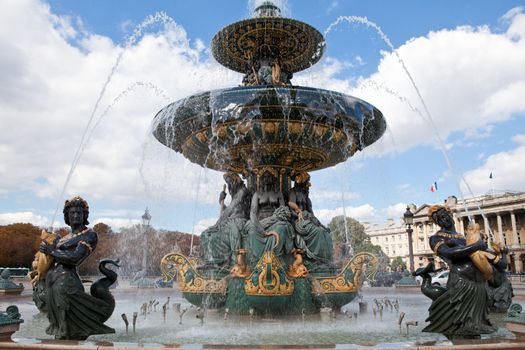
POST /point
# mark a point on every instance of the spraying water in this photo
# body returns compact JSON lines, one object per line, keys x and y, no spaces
{"x":427,"y":115}
{"x":159,"y":17}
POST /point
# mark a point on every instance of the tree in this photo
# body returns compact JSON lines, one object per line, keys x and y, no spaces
{"x":398,"y":264}
{"x":106,"y":248}
{"x":357,"y":239}
{"x":19,"y":244}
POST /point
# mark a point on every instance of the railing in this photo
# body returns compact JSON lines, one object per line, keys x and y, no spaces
{"x":516,"y":277}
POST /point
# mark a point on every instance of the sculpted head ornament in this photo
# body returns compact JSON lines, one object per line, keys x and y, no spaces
{"x":434,"y":209}
{"x":76,"y":202}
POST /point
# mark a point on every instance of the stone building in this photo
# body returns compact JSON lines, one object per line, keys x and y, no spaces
{"x":392,"y":238}
{"x":501,"y":216}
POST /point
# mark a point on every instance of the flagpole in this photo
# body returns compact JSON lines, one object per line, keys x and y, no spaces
{"x":492,"y":185}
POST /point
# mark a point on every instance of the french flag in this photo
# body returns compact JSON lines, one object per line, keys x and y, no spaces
{"x":434,"y":187}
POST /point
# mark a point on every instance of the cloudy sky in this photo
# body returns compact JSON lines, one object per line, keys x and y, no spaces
{"x":82,"y":80}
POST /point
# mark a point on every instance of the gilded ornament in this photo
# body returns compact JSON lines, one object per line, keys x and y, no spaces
{"x":201,"y":136}
{"x":320,"y":130}
{"x":349,"y":279}
{"x":268,"y":278}
{"x":269,"y":127}
{"x":190,"y":281}
{"x":295,"y":127}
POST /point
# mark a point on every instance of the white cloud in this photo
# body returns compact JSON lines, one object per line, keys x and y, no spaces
{"x":319,"y":197}
{"x":396,"y":211}
{"x":50,"y":85}
{"x":506,"y":168}
{"x":361,"y":213}
{"x":24,"y":217}
{"x":469,"y":77}
{"x":117,"y":223}
{"x":203,"y":224}
{"x":333,"y":5}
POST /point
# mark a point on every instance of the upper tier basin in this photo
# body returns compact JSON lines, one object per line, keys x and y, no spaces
{"x":247,"y":127}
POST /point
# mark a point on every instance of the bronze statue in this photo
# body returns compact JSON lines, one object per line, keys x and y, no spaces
{"x":312,"y":237}
{"x":72,"y":313}
{"x":269,"y":228}
{"x":221,"y":242}
{"x":461,"y":310}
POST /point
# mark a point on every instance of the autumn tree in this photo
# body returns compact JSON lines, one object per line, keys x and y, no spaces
{"x":19,"y":243}
{"x":105,"y":249}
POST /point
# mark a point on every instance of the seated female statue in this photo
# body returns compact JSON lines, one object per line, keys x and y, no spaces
{"x":269,"y":228}
{"x":312,"y":237}
{"x":220,"y":242}
{"x":72,"y":313}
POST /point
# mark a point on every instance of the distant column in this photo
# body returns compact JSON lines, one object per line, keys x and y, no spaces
{"x":514,"y":229}
{"x":487,"y":227}
{"x":500,"y":229}
{"x":461,"y":226}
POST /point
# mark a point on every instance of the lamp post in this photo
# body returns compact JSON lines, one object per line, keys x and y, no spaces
{"x":408,"y":218}
{"x":146,"y":219}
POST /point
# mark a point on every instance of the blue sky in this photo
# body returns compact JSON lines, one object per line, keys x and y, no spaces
{"x":465,"y":56}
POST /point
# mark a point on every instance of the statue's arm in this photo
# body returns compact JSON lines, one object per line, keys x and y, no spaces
{"x":254,"y":209}
{"x":80,"y":253}
{"x":455,"y":252}
{"x":236,"y":201}
{"x":309,"y":206}
{"x":292,"y":202}
{"x":222,"y":198}
{"x":281,"y":199}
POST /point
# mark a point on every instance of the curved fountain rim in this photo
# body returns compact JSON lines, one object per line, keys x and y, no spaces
{"x":265,"y":87}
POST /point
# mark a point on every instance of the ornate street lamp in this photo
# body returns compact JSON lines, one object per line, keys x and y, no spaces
{"x":408,"y":218}
{"x":146,"y":219}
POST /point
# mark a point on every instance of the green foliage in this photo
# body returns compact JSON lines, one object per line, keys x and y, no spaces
{"x":397,"y":264}
{"x":357,"y":237}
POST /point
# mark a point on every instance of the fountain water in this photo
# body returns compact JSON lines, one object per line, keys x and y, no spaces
{"x":271,"y":133}
{"x":209,"y":129}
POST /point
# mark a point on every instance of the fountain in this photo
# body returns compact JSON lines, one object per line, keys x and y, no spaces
{"x":268,"y":251}
{"x":268,"y":255}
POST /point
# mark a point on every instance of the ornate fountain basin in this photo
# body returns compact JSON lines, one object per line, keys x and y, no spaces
{"x":246,"y":127}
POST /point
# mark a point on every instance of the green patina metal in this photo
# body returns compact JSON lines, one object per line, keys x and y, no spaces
{"x":10,"y":316}
{"x":515,"y":314}
{"x":6,"y":285}
{"x":267,"y":253}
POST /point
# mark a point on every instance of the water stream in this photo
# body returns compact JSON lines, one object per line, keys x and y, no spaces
{"x":427,"y":116}
{"x":159,"y":17}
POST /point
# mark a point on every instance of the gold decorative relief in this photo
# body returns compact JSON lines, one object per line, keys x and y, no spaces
{"x":295,"y":127}
{"x":350,"y":277}
{"x":190,"y":281}
{"x":268,"y":278}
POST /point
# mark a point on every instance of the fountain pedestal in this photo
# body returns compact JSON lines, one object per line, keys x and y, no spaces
{"x":8,"y":287}
{"x":9,"y":323}
{"x":516,"y":321}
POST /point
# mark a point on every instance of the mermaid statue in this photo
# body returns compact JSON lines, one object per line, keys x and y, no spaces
{"x":461,"y":309}
{"x":72,"y":313}
{"x":269,"y":228}
{"x":311,"y":236}
{"x":220,"y":243}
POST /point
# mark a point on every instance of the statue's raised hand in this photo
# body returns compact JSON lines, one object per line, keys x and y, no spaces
{"x":46,"y":248}
{"x":481,"y":245}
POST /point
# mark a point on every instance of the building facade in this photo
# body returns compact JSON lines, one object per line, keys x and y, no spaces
{"x":392,"y":238}
{"x":501,"y":218}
